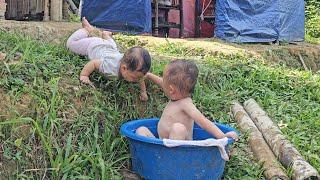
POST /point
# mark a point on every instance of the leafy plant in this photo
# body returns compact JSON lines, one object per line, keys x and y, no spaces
{"x":312,"y":19}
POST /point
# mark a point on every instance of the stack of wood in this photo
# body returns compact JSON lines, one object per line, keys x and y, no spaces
{"x":3,"y":7}
{"x":269,"y":145}
{"x":54,"y":10}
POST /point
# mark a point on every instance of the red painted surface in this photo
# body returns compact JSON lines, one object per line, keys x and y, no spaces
{"x":207,"y":28}
{"x":188,"y":19}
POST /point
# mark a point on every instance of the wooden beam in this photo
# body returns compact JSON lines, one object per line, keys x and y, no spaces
{"x":74,"y":8}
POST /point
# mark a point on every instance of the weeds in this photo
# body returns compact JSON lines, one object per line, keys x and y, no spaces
{"x":51,"y":127}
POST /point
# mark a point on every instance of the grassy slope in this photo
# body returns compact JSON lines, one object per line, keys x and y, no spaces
{"x":74,"y":130}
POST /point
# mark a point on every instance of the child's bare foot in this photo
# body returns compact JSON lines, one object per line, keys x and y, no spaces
{"x":87,"y":25}
{"x":106,"y":34}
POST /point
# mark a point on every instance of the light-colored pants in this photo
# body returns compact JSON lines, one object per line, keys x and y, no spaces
{"x":80,"y":42}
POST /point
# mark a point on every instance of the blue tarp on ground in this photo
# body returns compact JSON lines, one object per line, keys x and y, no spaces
{"x":260,"y":20}
{"x":132,"y":16}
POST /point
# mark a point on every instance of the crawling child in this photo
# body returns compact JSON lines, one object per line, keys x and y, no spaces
{"x":177,"y":120}
{"x":105,"y":57}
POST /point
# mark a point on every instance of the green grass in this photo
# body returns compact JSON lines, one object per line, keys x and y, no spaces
{"x":312,"y":40}
{"x":52,"y":127}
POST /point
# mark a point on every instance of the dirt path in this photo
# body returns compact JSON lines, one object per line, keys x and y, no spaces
{"x":292,"y":55}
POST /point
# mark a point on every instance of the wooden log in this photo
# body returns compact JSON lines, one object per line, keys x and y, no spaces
{"x":281,"y":147}
{"x":56,"y":10}
{"x":73,"y":6}
{"x":260,"y":149}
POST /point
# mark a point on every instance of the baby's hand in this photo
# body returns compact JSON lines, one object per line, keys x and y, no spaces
{"x":143,"y":96}
{"x":86,"y":80}
{"x":232,"y":135}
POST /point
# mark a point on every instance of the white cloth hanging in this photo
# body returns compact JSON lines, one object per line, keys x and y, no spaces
{"x":220,"y":143}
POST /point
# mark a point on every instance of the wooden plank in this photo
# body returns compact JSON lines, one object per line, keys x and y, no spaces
{"x":181,"y":31}
{"x":20,"y":4}
{"x":40,"y":6}
{"x":33,"y":7}
{"x":24,"y":8}
{"x":46,"y":10}
{"x":15,"y":9}
{"x":10,"y":7}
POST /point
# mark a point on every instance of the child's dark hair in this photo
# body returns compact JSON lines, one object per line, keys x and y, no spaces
{"x":137,"y":59}
{"x":183,"y":74}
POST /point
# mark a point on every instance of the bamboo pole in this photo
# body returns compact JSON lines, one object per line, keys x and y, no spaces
{"x":281,"y":147}
{"x":260,"y":149}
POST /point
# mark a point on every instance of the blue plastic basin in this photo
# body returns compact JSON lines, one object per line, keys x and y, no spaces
{"x":152,"y":160}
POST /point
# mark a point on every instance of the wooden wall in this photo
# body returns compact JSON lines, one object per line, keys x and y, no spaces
{"x":23,"y":9}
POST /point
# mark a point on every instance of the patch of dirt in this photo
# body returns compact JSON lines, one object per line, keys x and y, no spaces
{"x":4,"y":111}
{"x":293,"y":55}
{"x":55,"y":32}
{"x":11,"y":107}
{"x":2,"y":56}
{"x":129,"y":175}
{"x":6,"y":166}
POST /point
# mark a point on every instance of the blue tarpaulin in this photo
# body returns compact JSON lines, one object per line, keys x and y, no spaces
{"x":260,"y":20}
{"x":132,"y":16}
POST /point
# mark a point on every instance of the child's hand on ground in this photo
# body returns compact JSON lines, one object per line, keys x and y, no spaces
{"x":143,"y":96}
{"x":86,"y":80}
{"x":232,"y":135}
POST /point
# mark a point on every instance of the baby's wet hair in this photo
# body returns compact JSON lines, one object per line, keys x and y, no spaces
{"x":137,"y":59}
{"x":183,"y":74}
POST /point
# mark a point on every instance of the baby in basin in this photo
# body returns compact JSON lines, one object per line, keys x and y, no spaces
{"x":180,"y":114}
